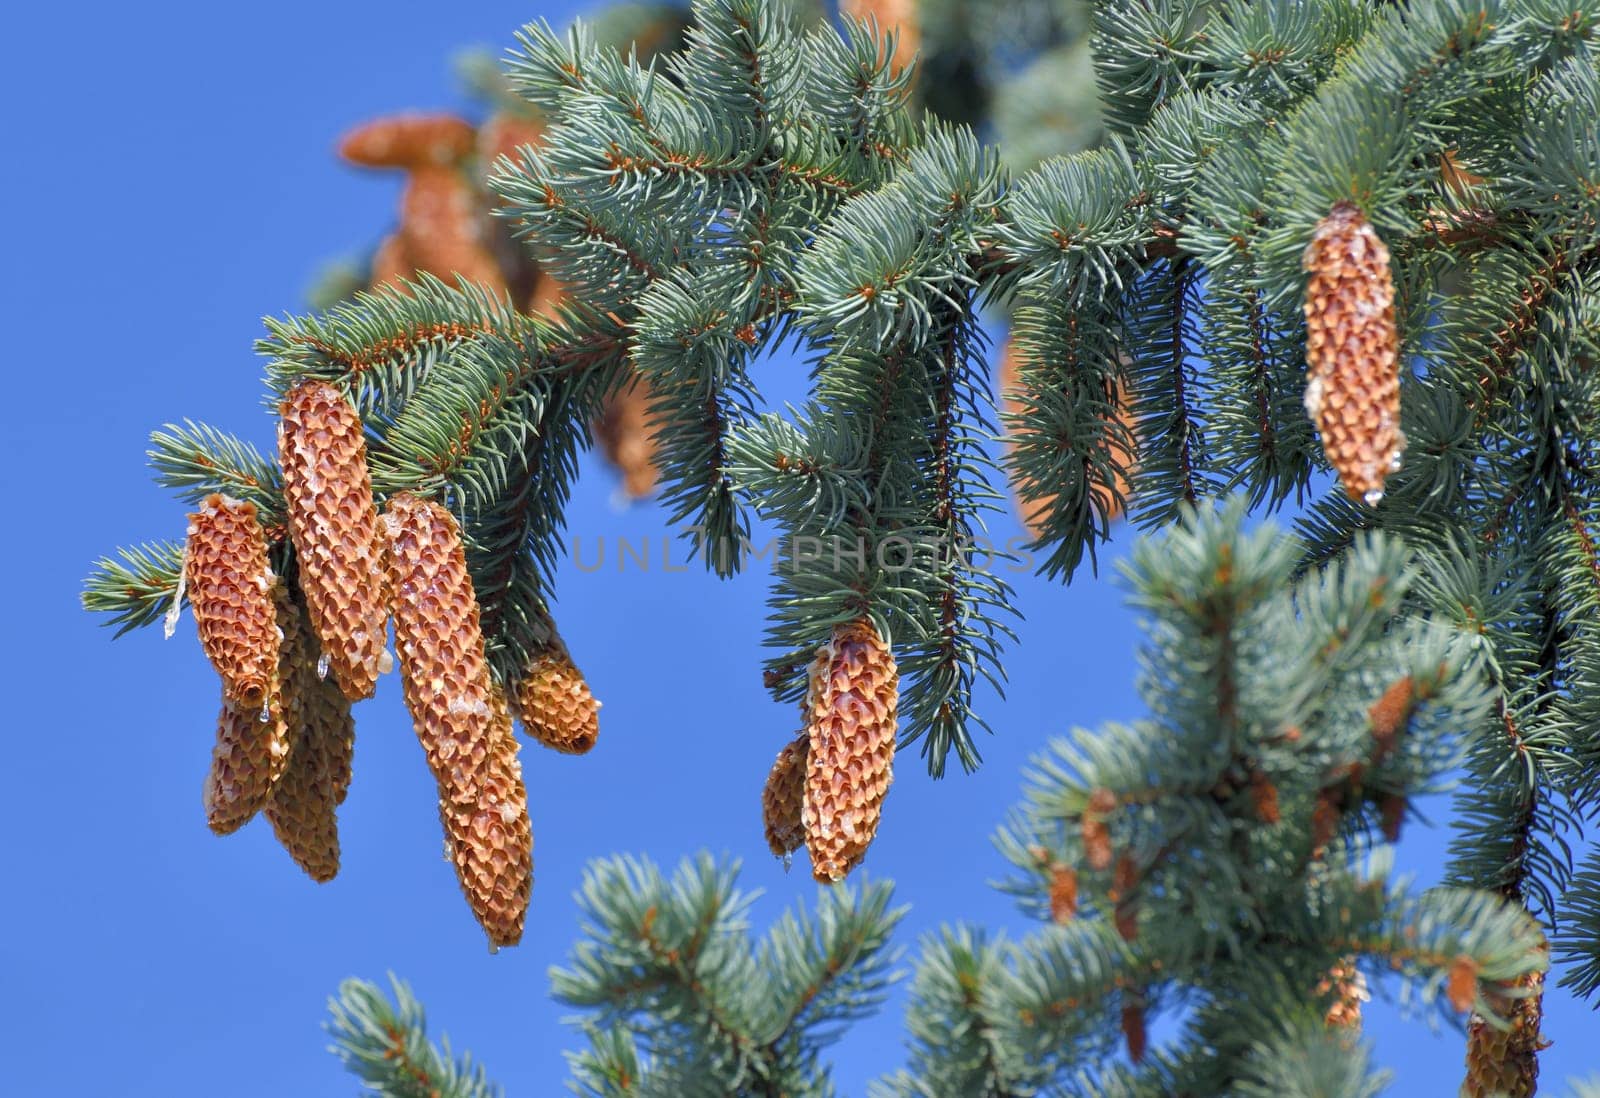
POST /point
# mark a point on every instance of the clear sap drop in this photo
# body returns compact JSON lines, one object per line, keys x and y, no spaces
{"x":265,"y":715}
{"x":322,"y":667}
{"x":788,"y":861}
{"x":169,"y":623}
{"x":1373,"y":497}
{"x":385,"y":662}
{"x":493,"y":949}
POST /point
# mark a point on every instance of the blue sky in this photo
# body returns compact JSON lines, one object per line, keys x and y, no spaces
{"x":172,"y":180}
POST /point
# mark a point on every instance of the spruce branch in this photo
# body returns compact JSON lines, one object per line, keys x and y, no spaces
{"x":386,"y":1046}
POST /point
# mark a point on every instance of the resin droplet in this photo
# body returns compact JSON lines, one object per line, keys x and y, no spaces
{"x":169,"y":624}
{"x":1373,"y":496}
{"x":788,"y":861}
{"x":265,"y":715}
{"x":322,"y":667}
{"x":385,"y":662}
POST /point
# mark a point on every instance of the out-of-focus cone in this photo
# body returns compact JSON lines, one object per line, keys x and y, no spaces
{"x":390,"y":264}
{"x":1034,"y":512}
{"x":503,"y":134}
{"x":442,"y":222}
{"x":1504,"y":1063}
{"x":851,"y":705}
{"x":898,"y":16}
{"x":1345,"y":989}
{"x":627,"y":436}
{"x":333,"y":523}
{"x":409,"y":141}
{"x":444,"y":227}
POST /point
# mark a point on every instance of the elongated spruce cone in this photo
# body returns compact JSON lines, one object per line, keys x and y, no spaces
{"x":409,"y":141}
{"x":850,"y":727}
{"x":303,"y":805}
{"x":334,"y":526}
{"x":460,"y":719}
{"x":1504,"y":1063}
{"x":554,"y":703}
{"x":1353,"y":352}
{"x":781,"y":799}
{"x":249,"y":758}
{"x":229,"y":583}
{"x":492,"y":840}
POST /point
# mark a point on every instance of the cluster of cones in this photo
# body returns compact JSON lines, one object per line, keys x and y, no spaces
{"x":294,"y":653}
{"x":446,"y":228}
{"x":826,"y":789}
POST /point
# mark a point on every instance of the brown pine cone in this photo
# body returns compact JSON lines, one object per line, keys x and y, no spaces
{"x":1504,"y":1062}
{"x":460,"y":716}
{"x":850,"y":724}
{"x":491,"y":841}
{"x":391,"y":266}
{"x":554,"y":703}
{"x":303,"y":804}
{"x":899,"y":16}
{"x":781,"y":800}
{"x":409,"y":141}
{"x":547,"y":298}
{"x":250,"y":757}
{"x":442,"y":222}
{"x":627,"y":436}
{"x":503,"y":134}
{"x":229,"y":583}
{"x":1345,"y":989}
{"x":1033,"y":512}
{"x":327,"y":491}
{"x":1353,"y":352}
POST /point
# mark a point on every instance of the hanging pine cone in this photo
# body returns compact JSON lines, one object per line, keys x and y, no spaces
{"x":253,"y":745}
{"x":229,"y":583}
{"x":334,"y":526}
{"x":250,"y":757}
{"x":460,"y":717}
{"x":491,"y":840}
{"x":442,"y":223}
{"x":1504,"y":1062}
{"x":554,"y":703}
{"x":627,"y":436}
{"x":781,"y":800}
{"x":409,"y":141}
{"x":303,"y":804}
{"x":1345,"y":989}
{"x":1353,"y":352}
{"x":850,"y":726}
{"x":891,"y":16}
{"x":391,"y":264}
{"x":1110,"y":496}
